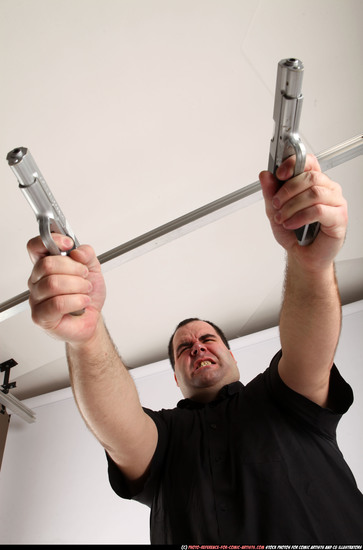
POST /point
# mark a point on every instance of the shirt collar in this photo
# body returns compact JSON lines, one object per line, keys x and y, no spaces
{"x":226,"y":391}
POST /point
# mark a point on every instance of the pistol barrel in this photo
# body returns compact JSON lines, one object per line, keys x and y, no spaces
{"x":286,"y":140}
{"x":35,"y":189}
{"x":287,"y":112}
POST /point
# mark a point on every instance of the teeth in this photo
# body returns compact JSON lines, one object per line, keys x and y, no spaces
{"x":205,"y":363}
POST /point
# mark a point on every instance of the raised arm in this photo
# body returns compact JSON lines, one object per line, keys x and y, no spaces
{"x":310,"y":320}
{"x":104,"y":391}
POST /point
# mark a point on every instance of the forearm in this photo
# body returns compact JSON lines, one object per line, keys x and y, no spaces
{"x":104,"y":390}
{"x":310,"y":320}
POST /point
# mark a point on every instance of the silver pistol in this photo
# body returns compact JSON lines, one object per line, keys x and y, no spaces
{"x":286,"y":141}
{"x":46,"y":209}
{"x":35,"y":189}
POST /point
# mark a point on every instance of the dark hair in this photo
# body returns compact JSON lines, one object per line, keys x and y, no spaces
{"x":186,"y":322}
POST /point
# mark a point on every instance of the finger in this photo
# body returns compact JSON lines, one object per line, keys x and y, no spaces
{"x":325,"y":195}
{"x":311,"y":186}
{"x":49,"y":314}
{"x":286,"y":170}
{"x":269,"y":184}
{"x":37,"y":250}
{"x":86,"y":255}
{"x":53,"y":265}
{"x":56,"y":285}
{"x":333,"y":219}
{"x":312,"y":163}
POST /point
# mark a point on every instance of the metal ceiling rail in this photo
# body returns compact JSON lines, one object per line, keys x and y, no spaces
{"x":200,"y":217}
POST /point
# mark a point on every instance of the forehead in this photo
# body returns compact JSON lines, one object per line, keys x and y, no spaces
{"x":193,"y":330}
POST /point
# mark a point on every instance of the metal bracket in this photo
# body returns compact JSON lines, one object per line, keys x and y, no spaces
{"x":5,"y":367}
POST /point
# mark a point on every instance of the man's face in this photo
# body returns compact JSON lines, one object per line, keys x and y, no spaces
{"x":203,"y":364}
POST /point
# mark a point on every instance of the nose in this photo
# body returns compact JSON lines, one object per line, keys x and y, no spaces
{"x":197,"y":348}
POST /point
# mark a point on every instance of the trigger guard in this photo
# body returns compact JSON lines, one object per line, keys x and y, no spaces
{"x":300,"y":153}
{"x":46,"y":236}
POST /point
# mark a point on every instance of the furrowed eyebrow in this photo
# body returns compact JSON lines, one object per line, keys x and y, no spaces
{"x":187,"y":343}
{"x":182,"y":346}
{"x":207,"y":337}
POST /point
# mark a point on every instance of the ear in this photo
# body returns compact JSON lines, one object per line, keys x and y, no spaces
{"x":175,"y":378}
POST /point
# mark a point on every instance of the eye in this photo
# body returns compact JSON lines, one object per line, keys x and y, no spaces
{"x":208,"y":339}
{"x":182,"y":349}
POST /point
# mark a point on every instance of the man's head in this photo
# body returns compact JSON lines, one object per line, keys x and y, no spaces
{"x":202,"y":361}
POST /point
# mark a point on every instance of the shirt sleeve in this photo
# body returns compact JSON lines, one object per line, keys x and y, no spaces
{"x":118,"y":480}
{"x":320,"y":419}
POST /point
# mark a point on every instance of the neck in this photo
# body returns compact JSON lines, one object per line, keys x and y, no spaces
{"x":208,"y":394}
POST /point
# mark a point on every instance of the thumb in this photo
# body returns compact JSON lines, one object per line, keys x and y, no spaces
{"x":37,"y":249}
{"x":86,"y":255}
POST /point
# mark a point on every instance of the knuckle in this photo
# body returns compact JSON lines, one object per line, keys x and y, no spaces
{"x":285,"y":193}
{"x":319,"y":209}
{"x":53,"y":284}
{"x":313,"y":177}
{"x":317,"y":193}
{"x":46,"y":314}
{"x":32,"y":243}
{"x":313,"y":160}
{"x":47,"y":265}
{"x":58,"y":304}
{"x":29,"y":245}
{"x":30,"y":284}
{"x":34,"y":316}
{"x":32,"y":305}
{"x":36,"y":313}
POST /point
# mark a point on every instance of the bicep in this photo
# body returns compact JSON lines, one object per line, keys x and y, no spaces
{"x":307,"y":380}
{"x":134,"y":458}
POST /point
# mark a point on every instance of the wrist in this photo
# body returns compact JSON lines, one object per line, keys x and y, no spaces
{"x":300,"y":259}
{"x":92,"y":342}
{"x":312,"y":279}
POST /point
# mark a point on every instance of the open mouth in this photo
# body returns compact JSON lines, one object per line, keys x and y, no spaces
{"x":205,"y":363}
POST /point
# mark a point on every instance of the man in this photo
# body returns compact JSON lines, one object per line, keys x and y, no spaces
{"x":231,"y":464}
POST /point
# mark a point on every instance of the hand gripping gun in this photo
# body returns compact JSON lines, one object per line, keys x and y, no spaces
{"x":286,"y":140}
{"x":46,"y":209}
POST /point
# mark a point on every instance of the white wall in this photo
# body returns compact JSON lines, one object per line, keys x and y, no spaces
{"x":53,"y":484}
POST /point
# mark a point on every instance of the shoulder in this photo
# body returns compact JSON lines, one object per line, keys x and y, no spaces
{"x":340,"y":392}
{"x":321,"y":419}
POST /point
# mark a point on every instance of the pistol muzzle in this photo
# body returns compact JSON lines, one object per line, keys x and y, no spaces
{"x":22,"y":164}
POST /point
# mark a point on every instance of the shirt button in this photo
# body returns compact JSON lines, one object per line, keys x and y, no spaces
{"x":213,"y":426}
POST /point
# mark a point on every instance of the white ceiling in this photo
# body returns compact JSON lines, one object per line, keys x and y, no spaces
{"x":140,"y":111}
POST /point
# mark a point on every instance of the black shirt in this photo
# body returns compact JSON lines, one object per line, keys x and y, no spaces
{"x":259,"y":465}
